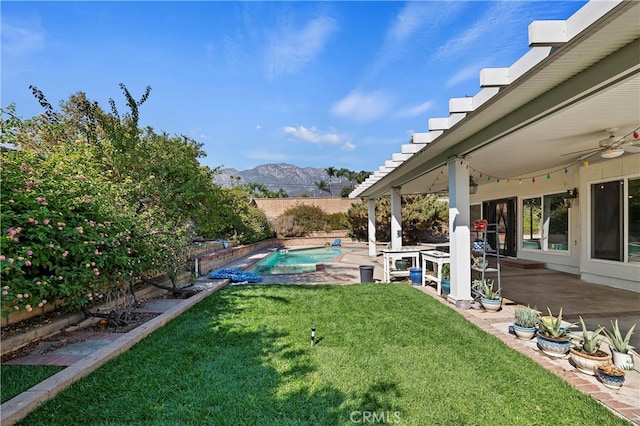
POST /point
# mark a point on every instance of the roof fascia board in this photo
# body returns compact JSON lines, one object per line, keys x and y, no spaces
{"x":610,"y":70}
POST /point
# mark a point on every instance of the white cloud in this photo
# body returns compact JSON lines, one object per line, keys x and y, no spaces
{"x":411,"y":19}
{"x":414,"y":111}
{"x":464,"y":74}
{"x":348,"y":146}
{"x":258,"y":126}
{"x":312,"y":135}
{"x":362,"y":106}
{"x":289,"y":49}
{"x":493,"y":21}
{"x":21,"y":40}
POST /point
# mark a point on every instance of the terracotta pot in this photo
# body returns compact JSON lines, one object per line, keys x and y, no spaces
{"x":588,"y":363}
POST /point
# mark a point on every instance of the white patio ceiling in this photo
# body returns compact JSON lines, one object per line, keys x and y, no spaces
{"x":560,"y":105}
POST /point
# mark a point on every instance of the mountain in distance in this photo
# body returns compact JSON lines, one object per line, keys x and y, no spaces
{"x":294,"y":180}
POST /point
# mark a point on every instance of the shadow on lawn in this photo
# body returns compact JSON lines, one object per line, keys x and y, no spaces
{"x":276,"y":383}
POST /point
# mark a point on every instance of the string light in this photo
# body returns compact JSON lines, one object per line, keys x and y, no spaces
{"x":565,"y":169}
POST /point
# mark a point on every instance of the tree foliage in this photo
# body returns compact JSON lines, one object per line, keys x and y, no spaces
{"x":302,"y":219}
{"x":423,"y":217}
{"x":90,"y":201}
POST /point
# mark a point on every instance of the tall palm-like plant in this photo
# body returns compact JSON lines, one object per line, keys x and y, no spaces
{"x":323,"y":186}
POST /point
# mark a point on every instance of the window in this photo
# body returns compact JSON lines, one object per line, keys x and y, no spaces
{"x":545,"y":223}
{"x":633,"y":198}
{"x":606,"y":221}
{"x":475,"y":213}
{"x":531,"y":217}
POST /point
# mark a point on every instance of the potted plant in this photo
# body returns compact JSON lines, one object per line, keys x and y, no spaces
{"x":526,"y":321}
{"x":490,"y":299}
{"x":587,"y":356}
{"x":445,"y":282}
{"x":610,"y":376}
{"x":620,"y":348}
{"x":553,"y":338}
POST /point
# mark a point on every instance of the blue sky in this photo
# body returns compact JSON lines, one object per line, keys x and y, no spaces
{"x":315,"y":84}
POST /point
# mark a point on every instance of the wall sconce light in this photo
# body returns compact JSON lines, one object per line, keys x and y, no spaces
{"x":473,"y":185}
{"x":569,"y":196}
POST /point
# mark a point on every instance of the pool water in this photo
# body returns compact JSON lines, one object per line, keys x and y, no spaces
{"x":296,"y":261}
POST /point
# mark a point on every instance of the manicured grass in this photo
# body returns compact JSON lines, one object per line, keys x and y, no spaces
{"x":16,"y":379}
{"x":243,"y":357}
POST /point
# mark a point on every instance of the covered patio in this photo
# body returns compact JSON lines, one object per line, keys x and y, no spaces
{"x":557,"y":130}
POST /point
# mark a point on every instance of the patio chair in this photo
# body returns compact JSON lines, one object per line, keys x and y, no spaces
{"x":336,"y":243}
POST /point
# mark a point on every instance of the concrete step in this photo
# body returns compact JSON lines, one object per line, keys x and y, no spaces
{"x":522,"y":263}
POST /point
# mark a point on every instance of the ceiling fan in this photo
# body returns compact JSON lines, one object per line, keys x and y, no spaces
{"x":610,"y":147}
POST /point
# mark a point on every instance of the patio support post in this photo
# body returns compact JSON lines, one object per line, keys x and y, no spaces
{"x":459,"y":234}
{"x":396,"y":219}
{"x":371,"y":227}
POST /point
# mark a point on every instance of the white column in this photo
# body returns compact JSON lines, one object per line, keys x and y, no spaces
{"x":459,"y":234}
{"x":371,"y":227}
{"x":396,"y":219}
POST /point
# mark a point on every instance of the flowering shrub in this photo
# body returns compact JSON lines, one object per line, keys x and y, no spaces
{"x":91,"y":202}
{"x":64,"y":231}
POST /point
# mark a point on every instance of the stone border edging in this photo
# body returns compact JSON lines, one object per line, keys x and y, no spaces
{"x":21,"y":405}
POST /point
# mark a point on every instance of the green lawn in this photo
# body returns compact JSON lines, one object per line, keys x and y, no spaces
{"x":384,"y":353}
{"x":15,"y":379}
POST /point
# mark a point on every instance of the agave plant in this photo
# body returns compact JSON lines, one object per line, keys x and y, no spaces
{"x":552,"y":325}
{"x":619,"y":343}
{"x":590,"y":343}
{"x":486,"y":289}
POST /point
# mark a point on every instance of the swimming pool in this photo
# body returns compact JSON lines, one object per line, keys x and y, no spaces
{"x":298,"y":261}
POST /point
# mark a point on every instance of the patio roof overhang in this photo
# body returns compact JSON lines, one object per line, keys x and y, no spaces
{"x":580,"y":77}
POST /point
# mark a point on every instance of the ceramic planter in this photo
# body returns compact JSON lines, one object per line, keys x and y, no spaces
{"x":552,"y":346}
{"x":613,"y":381}
{"x":622,"y":360}
{"x":491,"y":304}
{"x":525,"y":333}
{"x":588,"y":363}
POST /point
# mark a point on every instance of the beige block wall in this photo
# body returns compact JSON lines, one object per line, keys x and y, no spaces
{"x":274,"y":207}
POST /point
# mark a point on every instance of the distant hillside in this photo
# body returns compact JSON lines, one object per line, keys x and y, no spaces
{"x":295,"y":181}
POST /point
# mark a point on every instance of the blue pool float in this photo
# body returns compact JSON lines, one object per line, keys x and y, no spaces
{"x":236,"y":275}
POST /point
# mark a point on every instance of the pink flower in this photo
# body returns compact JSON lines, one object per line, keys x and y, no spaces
{"x":80,"y":230}
{"x":51,"y":245}
{"x":38,"y":283}
{"x":27,"y":263}
{"x":10,"y":260}
{"x":28,"y":308}
{"x":46,"y":221}
{"x":65,"y":253}
{"x":17,"y":308}
{"x":44,"y":301}
{"x":30,"y":252}
{"x":2,"y":257}
{"x":5,"y":292}
{"x":60,"y":277}
{"x":88,"y":200}
{"x":19,"y":296}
